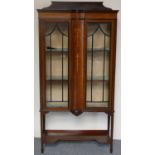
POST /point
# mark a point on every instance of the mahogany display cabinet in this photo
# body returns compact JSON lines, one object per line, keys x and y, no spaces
{"x":77,"y":48}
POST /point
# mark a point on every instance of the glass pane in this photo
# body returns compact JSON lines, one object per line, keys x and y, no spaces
{"x":98,"y":48}
{"x":56,"y":40}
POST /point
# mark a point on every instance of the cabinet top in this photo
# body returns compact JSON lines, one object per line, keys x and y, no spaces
{"x":76,"y":7}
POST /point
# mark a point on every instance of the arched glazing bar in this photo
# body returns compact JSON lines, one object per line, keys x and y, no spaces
{"x":98,"y":27}
{"x":56,"y":26}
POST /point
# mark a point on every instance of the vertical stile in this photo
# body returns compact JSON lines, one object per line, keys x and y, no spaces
{"x":62,"y":68}
{"x":92,"y":68}
{"x":50,"y":69}
{"x":104,"y":66}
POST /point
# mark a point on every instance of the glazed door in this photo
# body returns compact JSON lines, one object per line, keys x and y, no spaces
{"x":56,"y":36}
{"x":98,"y":58}
{"x":77,"y":58}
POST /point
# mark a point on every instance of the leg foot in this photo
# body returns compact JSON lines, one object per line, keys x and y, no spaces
{"x":42,"y":148}
{"x":111,"y":142}
{"x":111,"y":148}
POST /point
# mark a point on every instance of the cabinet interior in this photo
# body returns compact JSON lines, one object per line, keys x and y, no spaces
{"x":98,"y":49}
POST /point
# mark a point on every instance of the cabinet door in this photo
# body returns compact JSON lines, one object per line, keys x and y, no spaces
{"x":98,"y":49}
{"x":56,"y":59}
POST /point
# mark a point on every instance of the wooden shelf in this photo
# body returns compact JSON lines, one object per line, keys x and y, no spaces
{"x":65,"y":79}
{"x":98,"y":78}
{"x":57,"y":81}
{"x":65,"y":51}
{"x":57,"y":78}
{"x":100,"y":136}
{"x":56,"y":49}
{"x":77,"y":132}
{"x":101,"y":50}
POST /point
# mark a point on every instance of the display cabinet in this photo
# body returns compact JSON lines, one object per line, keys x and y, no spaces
{"x":77,"y":66}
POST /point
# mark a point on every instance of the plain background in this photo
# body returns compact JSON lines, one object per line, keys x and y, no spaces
{"x":17,"y":77}
{"x":86,"y":121}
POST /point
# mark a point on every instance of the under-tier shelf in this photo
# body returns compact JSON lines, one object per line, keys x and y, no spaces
{"x":101,"y":136}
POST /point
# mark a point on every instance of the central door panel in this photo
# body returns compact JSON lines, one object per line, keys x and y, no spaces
{"x":77,"y":90}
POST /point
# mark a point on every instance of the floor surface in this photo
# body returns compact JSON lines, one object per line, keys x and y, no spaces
{"x":77,"y":148}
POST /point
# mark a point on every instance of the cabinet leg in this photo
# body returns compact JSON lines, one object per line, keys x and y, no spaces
{"x":108,"y":122}
{"x":112,"y":126}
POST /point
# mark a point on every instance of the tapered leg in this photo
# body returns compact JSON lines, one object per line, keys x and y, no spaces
{"x":42,"y":118}
{"x":112,"y":125}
